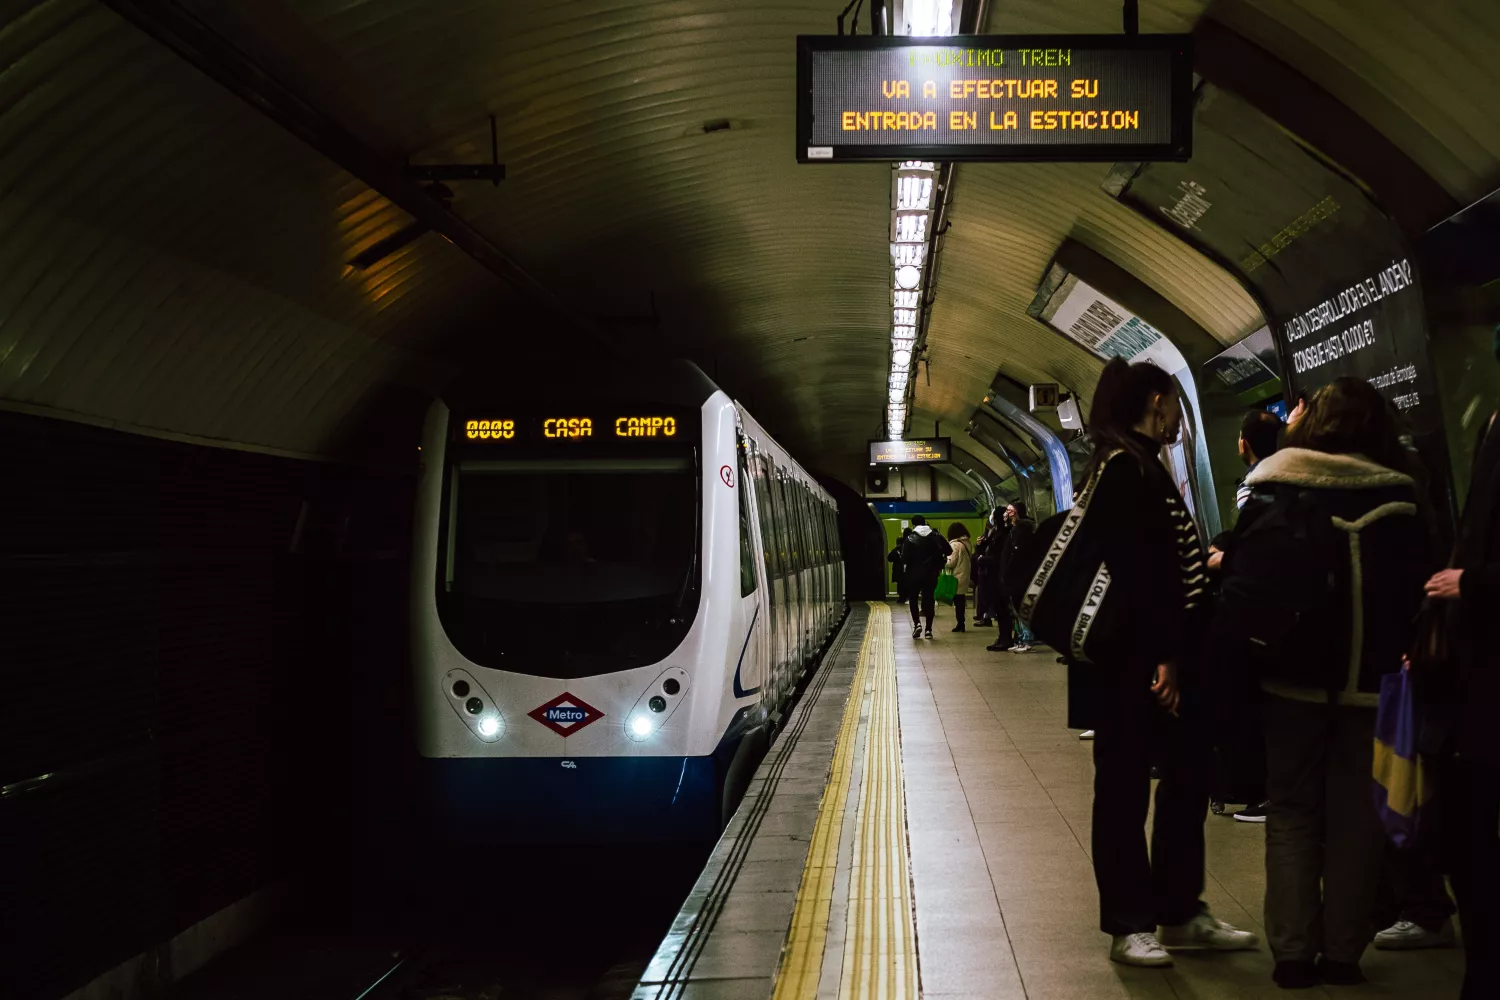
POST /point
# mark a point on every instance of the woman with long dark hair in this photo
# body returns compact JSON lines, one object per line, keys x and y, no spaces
{"x":960,"y":563}
{"x":1140,"y":700}
{"x":1321,"y":589}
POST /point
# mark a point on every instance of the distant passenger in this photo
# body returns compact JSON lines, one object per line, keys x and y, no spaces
{"x":987,"y":570}
{"x":923,"y":554}
{"x":898,"y":569}
{"x":1470,"y":779}
{"x":1021,"y":529}
{"x":1341,"y":530}
{"x":1260,"y":438}
{"x":1140,"y":700}
{"x":960,"y":561}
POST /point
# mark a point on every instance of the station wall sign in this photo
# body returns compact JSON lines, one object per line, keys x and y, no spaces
{"x":924,"y":451}
{"x":1053,"y":98}
{"x":1330,"y":269}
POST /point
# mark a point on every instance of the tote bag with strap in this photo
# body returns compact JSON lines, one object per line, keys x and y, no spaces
{"x":947,"y":588}
{"x":1061,"y":585}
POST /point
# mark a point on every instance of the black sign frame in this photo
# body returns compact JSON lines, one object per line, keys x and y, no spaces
{"x":1178,"y":149}
{"x":942,"y":445}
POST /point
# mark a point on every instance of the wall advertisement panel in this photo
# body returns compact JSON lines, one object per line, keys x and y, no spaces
{"x":1332,"y":272}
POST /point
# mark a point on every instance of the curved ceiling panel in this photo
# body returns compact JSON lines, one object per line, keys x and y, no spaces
{"x":1423,"y":73}
{"x":172,"y":261}
{"x":1007,"y":222}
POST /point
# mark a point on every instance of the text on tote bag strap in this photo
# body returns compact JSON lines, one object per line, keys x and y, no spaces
{"x":1065,"y":535}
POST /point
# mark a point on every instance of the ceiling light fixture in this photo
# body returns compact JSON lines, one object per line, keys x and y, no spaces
{"x":914,"y":203}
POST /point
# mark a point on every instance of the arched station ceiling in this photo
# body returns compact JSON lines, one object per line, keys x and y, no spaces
{"x":174,"y":262}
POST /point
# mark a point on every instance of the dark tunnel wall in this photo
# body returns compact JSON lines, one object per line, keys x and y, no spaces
{"x":199,"y":644}
{"x":862,"y":541}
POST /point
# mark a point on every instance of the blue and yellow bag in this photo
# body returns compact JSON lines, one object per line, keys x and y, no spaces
{"x":1402,"y":786}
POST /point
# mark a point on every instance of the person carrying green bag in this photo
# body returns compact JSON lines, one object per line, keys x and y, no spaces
{"x":960,"y":560}
{"x":923,"y":553}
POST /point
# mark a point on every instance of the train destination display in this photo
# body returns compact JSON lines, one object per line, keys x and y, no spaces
{"x":914,"y":452}
{"x":498,"y":430}
{"x":992,"y":97}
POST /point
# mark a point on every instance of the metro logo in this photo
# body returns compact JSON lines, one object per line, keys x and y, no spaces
{"x":566,"y":714}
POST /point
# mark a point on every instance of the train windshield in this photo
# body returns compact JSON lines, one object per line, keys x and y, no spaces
{"x":570,"y":566}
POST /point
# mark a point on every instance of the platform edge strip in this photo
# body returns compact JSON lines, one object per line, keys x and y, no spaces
{"x":802,"y":956}
{"x":880,"y":954}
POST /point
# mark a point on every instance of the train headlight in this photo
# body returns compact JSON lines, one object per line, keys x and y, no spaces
{"x":641,"y":725}
{"x":489,"y":726}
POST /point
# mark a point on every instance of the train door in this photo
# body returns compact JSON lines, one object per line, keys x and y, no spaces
{"x":755,"y":667}
{"x":795,"y":597}
{"x":775,"y":555}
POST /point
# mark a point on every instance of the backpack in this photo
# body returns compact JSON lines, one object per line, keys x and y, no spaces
{"x":1059,"y":584}
{"x":1284,"y":610}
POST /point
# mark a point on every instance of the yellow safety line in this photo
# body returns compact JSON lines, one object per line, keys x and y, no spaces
{"x":880,"y":958}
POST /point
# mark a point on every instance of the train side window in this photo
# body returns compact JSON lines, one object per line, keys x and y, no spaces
{"x":747,"y":553}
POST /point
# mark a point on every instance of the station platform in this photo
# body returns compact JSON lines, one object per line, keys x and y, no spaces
{"x":922,"y":828}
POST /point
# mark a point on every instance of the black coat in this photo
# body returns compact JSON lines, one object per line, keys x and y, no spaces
{"x":1381,"y":557}
{"x":1016,"y":537}
{"x":1479,"y":604}
{"x":923,"y":555}
{"x":1131,"y":510}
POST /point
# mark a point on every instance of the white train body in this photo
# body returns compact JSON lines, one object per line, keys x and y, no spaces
{"x":574,"y":680}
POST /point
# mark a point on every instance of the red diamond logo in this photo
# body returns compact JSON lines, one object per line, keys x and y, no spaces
{"x":566,"y":714}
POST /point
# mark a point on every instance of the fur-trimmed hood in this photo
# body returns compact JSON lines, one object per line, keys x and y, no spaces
{"x":1321,"y":470}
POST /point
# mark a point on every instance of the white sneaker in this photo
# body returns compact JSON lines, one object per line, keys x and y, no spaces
{"x":1207,"y":931}
{"x":1087,"y":734}
{"x":1021,"y":648}
{"x":1404,"y":935}
{"x":1139,"y":949}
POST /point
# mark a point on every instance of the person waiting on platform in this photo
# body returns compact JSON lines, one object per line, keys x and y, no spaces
{"x":986,"y":570}
{"x":1141,"y":700}
{"x":1021,"y":528}
{"x":923,"y":554}
{"x":1470,"y":777}
{"x":1342,"y":531}
{"x":960,"y":560}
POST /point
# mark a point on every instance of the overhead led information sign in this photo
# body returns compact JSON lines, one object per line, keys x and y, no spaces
{"x":496,"y":431}
{"x":918,"y":452}
{"x":1058,"y":98}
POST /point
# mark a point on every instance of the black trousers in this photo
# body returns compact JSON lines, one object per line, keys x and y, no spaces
{"x":1416,"y":890}
{"x":960,"y":604}
{"x":1472,"y":790}
{"x":1139,"y":890}
{"x":1240,"y":744}
{"x":920,"y":596}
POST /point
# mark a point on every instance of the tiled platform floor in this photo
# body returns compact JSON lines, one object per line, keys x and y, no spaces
{"x":998,"y":808}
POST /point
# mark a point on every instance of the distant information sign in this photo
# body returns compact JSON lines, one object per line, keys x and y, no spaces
{"x":918,"y":452}
{"x":1057,"y":98}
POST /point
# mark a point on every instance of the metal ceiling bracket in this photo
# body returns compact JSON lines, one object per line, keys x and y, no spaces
{"x":494,"y":171}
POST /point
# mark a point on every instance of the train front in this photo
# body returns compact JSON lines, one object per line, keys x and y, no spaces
{"x":560,"y":619}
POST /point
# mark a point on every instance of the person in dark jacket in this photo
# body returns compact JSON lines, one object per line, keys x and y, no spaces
{"x":1140,"y":701}
{"x":898,"y":571}
{"x":1000,"y":604}
{"x":1470,"y":781}
{"x":987,"y":570}
{"x":1343,"y":475}
{"x":1021,"y":528}
{"x":923,"y":554}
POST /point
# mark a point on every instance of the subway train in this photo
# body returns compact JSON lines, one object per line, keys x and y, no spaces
{"x":618,"y":580}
